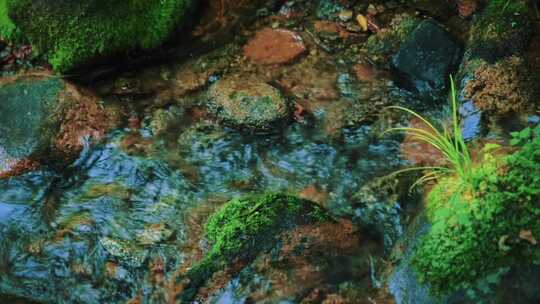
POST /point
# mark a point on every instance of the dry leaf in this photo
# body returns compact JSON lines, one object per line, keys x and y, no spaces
{"x":527,"y":236}
{"x":362,"y":21}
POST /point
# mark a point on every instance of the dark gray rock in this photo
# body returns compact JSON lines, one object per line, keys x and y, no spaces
{"x":426,"y":59}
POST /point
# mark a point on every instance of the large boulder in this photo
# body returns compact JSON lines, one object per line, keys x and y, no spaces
{"x":426,"y":59}
{"x":42,"y":114}
{"x":247,"y":103}
{"x":73,"y":33}
{"x":244,"y":228}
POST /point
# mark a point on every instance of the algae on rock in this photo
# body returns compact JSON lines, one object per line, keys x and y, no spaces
{"x":74,"y":33}
{"x":244,"y":227}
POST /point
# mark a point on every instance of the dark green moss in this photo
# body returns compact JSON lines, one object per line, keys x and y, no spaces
{"x":244,"y":227}
{"x":503,"y":29}
{"x":73,"y":33}
{"x":475,"y":233}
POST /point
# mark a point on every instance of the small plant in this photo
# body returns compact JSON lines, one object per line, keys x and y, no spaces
{"x":448,"y":141}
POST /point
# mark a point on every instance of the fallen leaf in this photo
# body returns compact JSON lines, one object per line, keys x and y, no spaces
{"x":527,"y":236}
{"x":362,"y":21}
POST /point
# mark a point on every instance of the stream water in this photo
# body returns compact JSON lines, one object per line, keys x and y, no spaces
{"x":62,"y":233}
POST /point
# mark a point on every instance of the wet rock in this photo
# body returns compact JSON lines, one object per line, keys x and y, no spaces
{"x":377,"y":205}
{"x":427,"y":58}
{"x":274,"y":46}
{"x":248,"y":103}
{"x":244,"y":228}
{"x":43,"y":114}
{"x":381,"y":46}
{"x":326,"y":263}
{"x":471,"y":120}
{"x":503,"y":29}
{"x":361,"y":103}
{"x":312,"y":79}
{"x":501,"y":88}
{"x":26,"y":127}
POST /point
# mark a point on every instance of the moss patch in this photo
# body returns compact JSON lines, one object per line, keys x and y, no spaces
{"x":476,"y":232}
{"x":245,"y":227}
{"x":503,"y":29}
{"x":72,"y":33}
{"x":504,"y":87}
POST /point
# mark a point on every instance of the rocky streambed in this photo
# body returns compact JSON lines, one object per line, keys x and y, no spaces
{"x":246,"y":160}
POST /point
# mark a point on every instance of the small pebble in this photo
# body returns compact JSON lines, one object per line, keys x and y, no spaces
{"x":372,"y":10}
{"x":345,"y":15}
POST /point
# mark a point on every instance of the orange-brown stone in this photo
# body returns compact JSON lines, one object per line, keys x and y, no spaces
{"x":274,"y":46}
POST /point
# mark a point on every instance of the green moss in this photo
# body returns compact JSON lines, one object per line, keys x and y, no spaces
{"x":72,"y":33}
{"x":244,"y":227}
{"x":7,"y":28}
{"x":475,"y":233}
{"x":503,"y":29}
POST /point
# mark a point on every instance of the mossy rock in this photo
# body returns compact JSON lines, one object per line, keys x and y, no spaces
{"x":503,"y":29}
{"x":381,"y":46}
{"x":26,"y":126}
{"x":75,"y":33}
{"x":245,"y":227}
{"x":488,"y":223}
{"x":248,"y":103}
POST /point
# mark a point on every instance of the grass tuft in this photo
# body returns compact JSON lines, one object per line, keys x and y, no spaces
{"x":447,"y":140}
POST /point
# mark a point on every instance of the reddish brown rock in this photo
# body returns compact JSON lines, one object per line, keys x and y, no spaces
{"x":19,"y":167}
{"x":81,"y":115}
{"x":274,"y":46}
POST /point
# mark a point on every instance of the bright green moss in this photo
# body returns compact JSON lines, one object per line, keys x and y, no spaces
{"x":475,"y":233}
{"x":73,"y":33}
{"x":7,"y":28}
{"x":503,"y":29}
{"x":244,"y":227}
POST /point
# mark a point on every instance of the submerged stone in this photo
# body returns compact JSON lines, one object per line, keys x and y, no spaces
{"x":248,"y":103}
{"x":42,"y":114}
{"x":274,"y":46}
{"x":426,"y":59}
{"x":71,"y":34}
